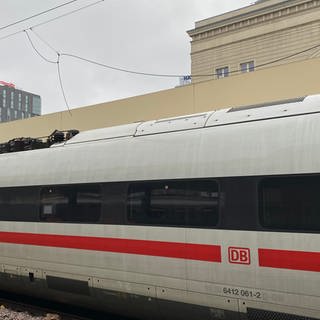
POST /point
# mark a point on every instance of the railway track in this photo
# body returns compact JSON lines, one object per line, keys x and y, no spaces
{"x":18,"y":307}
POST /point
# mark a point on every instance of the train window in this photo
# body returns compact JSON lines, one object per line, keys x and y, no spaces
{"x":77,"y":203}
{"x":193,"y":203}
{"x":290,"y":203}
{"x":19,"y":204}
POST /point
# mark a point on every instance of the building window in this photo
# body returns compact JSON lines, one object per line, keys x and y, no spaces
{"x":11,"y":100}
{"x":27,"y":104}
{"x":8,"y":114}
{"x":4,"y":98}
{"x":222,"y":72}
{"x":19,"y":101}
{"x":36,"y":105}
{"x":16,"y":114}
{"x":290,"y":203}
{"x":247,"y":66}
{"x":192,"y":203}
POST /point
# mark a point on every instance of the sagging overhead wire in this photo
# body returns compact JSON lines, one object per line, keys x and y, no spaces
{"x":56,"y":62}
{"x":121,"y":69}
{"x":37,"y":51}
{"x":164,"y":75}
{"x":182,"y":75}
{"x":59,"y":55}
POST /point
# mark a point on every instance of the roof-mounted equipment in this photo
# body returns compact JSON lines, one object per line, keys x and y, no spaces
{"x":24,"y":144}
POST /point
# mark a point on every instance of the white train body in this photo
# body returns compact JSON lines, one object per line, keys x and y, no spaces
{"x":251,"y":263}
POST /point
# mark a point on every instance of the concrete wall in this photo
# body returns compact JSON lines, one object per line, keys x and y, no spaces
{"x":270,"y":84}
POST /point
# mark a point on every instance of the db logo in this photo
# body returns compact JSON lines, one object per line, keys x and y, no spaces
{"x":239,"y":255}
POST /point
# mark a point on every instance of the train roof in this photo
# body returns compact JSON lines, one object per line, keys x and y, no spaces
{"x":228,"y":116}
{"x":272,"y":139}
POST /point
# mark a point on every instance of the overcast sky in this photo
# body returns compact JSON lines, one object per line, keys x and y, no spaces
{"x":143,"y":35}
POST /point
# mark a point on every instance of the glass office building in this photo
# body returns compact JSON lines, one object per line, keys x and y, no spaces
{"x":16,"y":104}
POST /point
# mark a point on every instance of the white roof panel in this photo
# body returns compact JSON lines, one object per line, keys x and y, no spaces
{"x":173,"y":124}
{"x":105,"y":133}
{"x":280,"y":109}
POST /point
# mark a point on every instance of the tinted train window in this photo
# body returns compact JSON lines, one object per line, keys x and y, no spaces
{"x":19,"y":204}
{"x":291,"y":203}
{"x":174,"y":203}
{"x":77,"y":203}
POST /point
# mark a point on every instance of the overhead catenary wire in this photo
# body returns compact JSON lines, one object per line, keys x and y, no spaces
{"x":61,"y":86}
{"x":37,"y":14}
{"x":50,"y":20}
{"x":66,"y":14}
{"x":11,"y":35}
{"x":164,"y":75}
{"x":121,"y":69}
{"x":44,"y":41}
{"x":57,"y":61}
{"x":289,"y":56}
{"x":126,"y":70}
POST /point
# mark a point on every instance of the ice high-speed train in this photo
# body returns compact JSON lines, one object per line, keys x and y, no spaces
{"x":208,"y":216}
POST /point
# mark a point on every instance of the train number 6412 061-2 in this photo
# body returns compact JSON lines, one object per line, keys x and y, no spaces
{"x":242,"y":292}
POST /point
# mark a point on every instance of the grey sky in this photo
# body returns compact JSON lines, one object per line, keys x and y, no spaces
{"x":142,"y":35}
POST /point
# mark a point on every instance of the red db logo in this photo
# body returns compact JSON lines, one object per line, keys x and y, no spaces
{"x":239,"y":255}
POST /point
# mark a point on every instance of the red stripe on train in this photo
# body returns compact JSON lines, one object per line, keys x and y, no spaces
{"x":288,"y":259}
{"x":178,"y":250}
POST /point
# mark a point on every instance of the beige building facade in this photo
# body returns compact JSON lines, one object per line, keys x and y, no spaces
{"x":269,"y":84}
{"x":267,"y":33}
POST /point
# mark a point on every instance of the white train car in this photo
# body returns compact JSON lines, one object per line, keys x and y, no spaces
{"x":209,"y":216}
